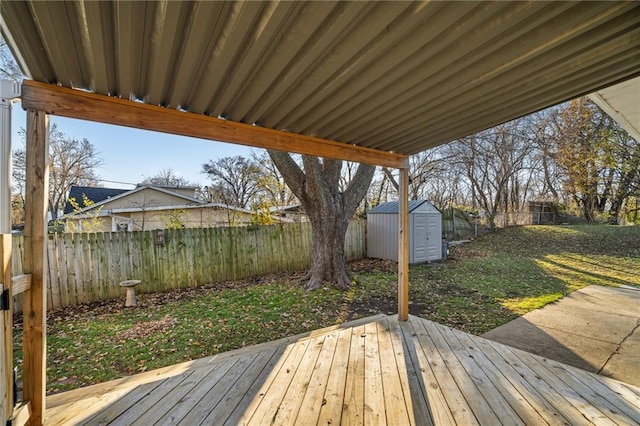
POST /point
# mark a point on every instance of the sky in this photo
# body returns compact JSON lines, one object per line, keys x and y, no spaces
{"x":131,"y":155}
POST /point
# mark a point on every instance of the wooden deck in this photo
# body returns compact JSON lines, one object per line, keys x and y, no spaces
{"x":373,"y":371}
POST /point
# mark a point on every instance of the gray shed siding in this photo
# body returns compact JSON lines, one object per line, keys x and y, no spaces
{"x":425,"y":232}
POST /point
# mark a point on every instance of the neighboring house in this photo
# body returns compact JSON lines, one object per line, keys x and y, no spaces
{"x":152,"y":207}
{"x":95,"y":194}
{"x":293,"y":212}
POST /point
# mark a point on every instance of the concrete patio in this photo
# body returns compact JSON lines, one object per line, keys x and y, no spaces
{"x":596,"y":328}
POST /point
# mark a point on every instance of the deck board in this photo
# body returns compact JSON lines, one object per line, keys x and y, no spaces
{"x":495,"y":401}
{"x":374,"y":371}
{"x":529,"y":410}
{"x":247,"y":388}
{"x":194,"y":408}
{"x":439,"y":378}
{"x":528,"y":391}
{"x":412,"y":390}
{"x":374,"y":406}
{"x":314,"y":398}
{"x":331,"y":410}
{"x":288,"y":407}
{"x":353,"y":402}
{"x":393,"y":398}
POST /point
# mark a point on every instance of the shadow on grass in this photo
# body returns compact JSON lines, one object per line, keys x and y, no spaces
{"x":589,"y":277}
{"x":609,"y":267}
{"x":503,"y":275}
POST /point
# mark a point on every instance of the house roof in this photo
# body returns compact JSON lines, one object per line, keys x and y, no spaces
{"x":140,"y":188}
{"x":293,"y":208}
{"x":219,"y":206}
{"x":393,"y":207}
{"x":92,"y":193}
{"x":393,"y":76}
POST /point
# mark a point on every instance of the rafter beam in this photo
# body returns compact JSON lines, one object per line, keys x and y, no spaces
{"x":72,"y":103}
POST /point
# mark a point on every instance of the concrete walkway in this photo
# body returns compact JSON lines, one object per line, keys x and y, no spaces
{"x":596,"y":329}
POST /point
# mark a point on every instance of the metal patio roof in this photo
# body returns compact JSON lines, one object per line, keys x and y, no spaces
{"x":394,"y":76}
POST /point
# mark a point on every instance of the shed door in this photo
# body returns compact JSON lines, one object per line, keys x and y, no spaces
{"x":434,"y":237}
{"x":420,"y":238}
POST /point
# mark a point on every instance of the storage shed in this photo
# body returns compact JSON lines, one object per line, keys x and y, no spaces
{"x":425,"y":231}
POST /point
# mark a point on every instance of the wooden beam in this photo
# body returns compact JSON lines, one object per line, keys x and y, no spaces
{"x":6,"y":325}
{"x":35,"y":233}
{"x":21,"y":283}
{"x":403,"y":246}
{"x":105,"y":109}
{"x":21,"y":414}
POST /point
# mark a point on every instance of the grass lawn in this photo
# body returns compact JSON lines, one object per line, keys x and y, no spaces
{"x":484,"y":284}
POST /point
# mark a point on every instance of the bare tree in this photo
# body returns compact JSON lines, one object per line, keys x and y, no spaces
{"x":546,"y":151}
{"x":424,"y":167}
{"x":448,"y":188}
{"x":273,"y":188}
{"x":380,"y":189}
{"x":9,"y":69}
{"x":168,"y":178}
{"x":492,"y":162}
{"x":71,"y":162}
{"x":235,"y":180}
{"x":317,"y":186}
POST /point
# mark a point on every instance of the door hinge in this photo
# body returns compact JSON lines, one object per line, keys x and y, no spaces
{"x":4,"y":300}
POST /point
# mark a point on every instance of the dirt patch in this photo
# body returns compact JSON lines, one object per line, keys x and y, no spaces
{"x":372,"y":306}
{"x":374,"y":265}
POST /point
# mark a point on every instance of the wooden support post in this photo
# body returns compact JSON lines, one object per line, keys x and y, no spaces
{"x":35,"y":240}
{"x":403,"y":246}
{"x":6,"y":325}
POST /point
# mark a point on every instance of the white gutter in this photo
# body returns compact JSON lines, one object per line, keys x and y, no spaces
{"x":9,"y":91}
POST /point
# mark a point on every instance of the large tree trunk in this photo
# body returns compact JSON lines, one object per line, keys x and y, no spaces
{"x":328,"y":264}
{"x":329,"y":211}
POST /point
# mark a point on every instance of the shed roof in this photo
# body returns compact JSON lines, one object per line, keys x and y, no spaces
{"x":394,"y":76}
{"x":393,"y":207}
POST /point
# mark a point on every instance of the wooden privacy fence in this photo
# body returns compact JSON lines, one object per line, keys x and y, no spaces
{"x":88,"y":267}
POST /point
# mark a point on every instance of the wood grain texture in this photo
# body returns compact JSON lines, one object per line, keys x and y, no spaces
{"x":6,"y":326}
{"x":88,"y":267}
{"x":403,"y":246}
{"x":376,"y":370}
{"x":21,"y":283}
{"x":104,"y":109}
{"x":35,"y":233}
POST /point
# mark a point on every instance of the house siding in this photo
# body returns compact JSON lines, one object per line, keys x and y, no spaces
{"x":144,"y":199}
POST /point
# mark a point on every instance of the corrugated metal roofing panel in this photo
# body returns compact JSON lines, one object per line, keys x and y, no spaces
{"x":396,"y":76}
